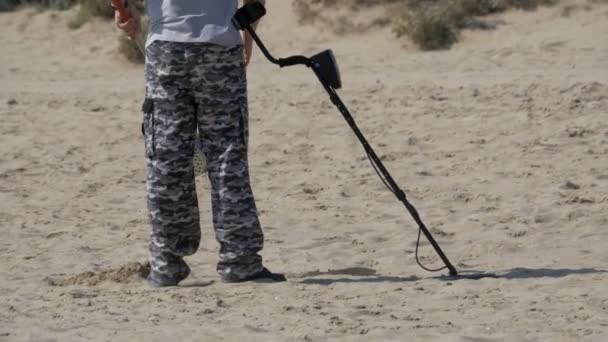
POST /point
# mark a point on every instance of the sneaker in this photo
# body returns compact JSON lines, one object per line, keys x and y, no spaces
{"x":264,"y":276}
{"x":158,"y":281}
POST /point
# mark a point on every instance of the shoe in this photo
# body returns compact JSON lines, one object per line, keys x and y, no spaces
{"x":156,"y":284}
{"x":157,"y":281}
{"x":264,"y":276}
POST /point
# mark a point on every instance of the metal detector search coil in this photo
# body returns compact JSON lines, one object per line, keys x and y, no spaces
{"x":326,"y":69}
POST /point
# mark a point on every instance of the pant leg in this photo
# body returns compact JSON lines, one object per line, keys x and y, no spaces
{"x":221,"y":94}
{"x":170,"y":125}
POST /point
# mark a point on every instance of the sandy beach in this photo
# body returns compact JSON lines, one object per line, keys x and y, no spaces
{"x":500,"y":142}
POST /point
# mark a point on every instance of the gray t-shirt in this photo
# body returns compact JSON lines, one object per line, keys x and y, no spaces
{"x":193,"y":21}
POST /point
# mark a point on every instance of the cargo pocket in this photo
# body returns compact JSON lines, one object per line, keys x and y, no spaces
{"x":147,"y":127}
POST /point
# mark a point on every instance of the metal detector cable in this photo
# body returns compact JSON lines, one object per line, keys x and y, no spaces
{"x":418,"y":260}
{"x":419,"y":228}
{"x":394,"y":191}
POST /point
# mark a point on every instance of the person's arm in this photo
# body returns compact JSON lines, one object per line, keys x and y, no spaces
{"x":247,"y":40}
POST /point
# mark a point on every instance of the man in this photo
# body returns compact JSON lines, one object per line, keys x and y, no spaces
{"x":195,"y":79}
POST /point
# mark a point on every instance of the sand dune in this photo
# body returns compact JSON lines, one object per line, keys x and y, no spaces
{"x":500,"y":142}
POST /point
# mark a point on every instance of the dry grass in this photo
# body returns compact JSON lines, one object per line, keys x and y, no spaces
{"x":431,"y":24}
{"x":98,"y":8}
{"x":129,"y":48}
{"x":89,"y":9}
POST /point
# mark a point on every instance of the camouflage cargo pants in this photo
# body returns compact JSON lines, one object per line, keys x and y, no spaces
{"x":192,"y":86}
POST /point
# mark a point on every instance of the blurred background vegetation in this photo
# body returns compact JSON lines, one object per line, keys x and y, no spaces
{"x":9,"y":5}
{"x":430,"y":24}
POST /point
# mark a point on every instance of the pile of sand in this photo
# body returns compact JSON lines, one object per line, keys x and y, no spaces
{"x":128,"y":273}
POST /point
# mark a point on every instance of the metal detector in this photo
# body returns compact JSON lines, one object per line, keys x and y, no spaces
{"x":325,"y":67}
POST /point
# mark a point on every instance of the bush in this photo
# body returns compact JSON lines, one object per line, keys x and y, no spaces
{"x":89,"y":9}
{"x":430,"y":31}
{"x":79,"y":19}
{"x":98,"y":8}
{"x":437,"y":27}
{"x":431,"y":24}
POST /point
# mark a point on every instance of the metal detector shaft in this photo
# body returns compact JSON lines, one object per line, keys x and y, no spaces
{"x":337,"y":101}
{"x":376,"y":162}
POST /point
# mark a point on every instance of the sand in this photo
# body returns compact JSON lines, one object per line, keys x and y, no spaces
{"x":500,"y":142}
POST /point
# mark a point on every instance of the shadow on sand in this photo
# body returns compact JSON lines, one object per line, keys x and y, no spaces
{"x":367,"y":275}
{"x":363,"y":274}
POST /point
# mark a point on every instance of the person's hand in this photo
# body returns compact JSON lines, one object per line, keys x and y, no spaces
{"x":247,"y":47}
{"x":131,"y":27}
